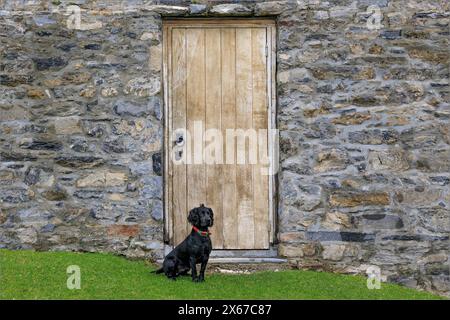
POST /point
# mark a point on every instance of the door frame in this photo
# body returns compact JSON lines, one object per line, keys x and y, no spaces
{"x":270,"y":24}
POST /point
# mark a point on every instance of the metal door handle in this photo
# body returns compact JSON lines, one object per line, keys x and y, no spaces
{"x":179,"y":140}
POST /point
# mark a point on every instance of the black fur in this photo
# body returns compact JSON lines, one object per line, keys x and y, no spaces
{"x":194,"y":249}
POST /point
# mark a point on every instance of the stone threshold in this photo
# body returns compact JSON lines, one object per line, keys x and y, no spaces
{"x":272,"y":252}
{"x":246,"y":260}
{"x":240,"y":256}
{"x":241,"y":260}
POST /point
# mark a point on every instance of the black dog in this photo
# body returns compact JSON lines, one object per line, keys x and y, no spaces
{"x":194,"y":249}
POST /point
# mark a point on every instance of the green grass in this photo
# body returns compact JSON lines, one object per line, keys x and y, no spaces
{"x":42,"y":275}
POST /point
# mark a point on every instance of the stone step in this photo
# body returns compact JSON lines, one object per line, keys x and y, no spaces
{"x":230,"y":260}
{"x":246,"y":260}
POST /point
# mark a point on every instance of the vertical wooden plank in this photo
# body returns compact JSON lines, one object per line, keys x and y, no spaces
{"x":230,"y":214}
{"x":260,"y":121}
{"x":273,"y":140}
{"x":244,"y":182}
{"x":196,"y":175}
{"x":213,"y":125}
{"x":178,"y":122}
{"x":168,"y":174}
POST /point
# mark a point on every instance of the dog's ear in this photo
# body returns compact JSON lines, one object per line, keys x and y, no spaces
{"x":193,"y":217}
{"x":211,"y":214}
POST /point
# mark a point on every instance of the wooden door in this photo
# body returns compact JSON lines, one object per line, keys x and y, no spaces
{"x":218,"y":77}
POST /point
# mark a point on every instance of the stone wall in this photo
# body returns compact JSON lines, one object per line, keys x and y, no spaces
{"x":363,"y":115}
{"x":81,"y":132}
{"x":364,"y":139}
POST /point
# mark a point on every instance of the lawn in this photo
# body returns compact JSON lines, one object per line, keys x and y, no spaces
{"x":42,"y":275}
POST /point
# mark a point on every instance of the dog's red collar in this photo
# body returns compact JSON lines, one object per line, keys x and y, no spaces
{"x":200,"y":232}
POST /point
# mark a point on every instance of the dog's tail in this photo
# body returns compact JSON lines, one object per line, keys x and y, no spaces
{"x":158,"y":271}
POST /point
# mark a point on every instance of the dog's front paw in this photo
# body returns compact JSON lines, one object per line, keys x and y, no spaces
{"x":198,"y":279}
